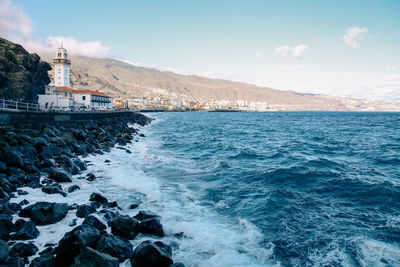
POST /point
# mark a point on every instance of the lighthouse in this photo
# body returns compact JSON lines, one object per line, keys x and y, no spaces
{"x":62,"y":68}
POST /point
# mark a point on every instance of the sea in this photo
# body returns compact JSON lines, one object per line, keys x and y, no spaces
{"x":259,"y":189}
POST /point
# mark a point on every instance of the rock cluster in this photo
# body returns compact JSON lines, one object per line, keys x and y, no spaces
{"x":46,"y":158}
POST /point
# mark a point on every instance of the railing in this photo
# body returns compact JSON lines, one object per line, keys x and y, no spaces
{"x":10,"y":104}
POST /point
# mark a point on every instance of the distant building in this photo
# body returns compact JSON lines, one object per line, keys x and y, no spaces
{"x":60,"y":95}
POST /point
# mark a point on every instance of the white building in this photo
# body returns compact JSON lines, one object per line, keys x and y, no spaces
{"x":61,"y":95}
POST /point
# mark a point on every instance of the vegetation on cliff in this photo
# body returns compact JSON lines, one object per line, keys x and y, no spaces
{"x":22,"y":75}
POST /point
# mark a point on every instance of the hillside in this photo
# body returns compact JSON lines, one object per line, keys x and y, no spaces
{"x":22,"y":75}
{"x":124,"y":80}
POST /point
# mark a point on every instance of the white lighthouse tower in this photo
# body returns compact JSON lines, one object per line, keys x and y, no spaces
{"x":62,"y":68}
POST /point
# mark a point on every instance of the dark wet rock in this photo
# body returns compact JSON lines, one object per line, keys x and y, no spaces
{"x":98,"y":197}
{"x":178,"y":264}
{"x":14,"y":207}
{"x":150,"y":253}
{"x":19,"y":224}
{"x":108,"y":215}
{"x":151,"y":226}
{"x":46,"y":260}
{"x":73,"y":222}
{"x":95,"y":204}
{"x":142,"y":135}
{"x":54,"y":189}
{"x":112,"y":204}
{"x":21,"y":192}
{"x":3,"y":167}
{"x":3,"y":194}
{"x":115,"y":246}
{"x":43,"y":213}
{"x":144,"y":215}
{"x":82,"y":165}
{"x":4,"y":250}
{"x":75,"y":169}
{"x":133,"y":206}
{"x":49,"y":152}
{"x":40,"y":142}
{"x":107,"y":161}
{"x":73,"y":206}
{"x":47,"y":250}
{"x":12,"y":159}
{"x":73,"y":188}
{"x":84,"y":210}
{"x":60,"y":175}
{"x":48,"y":163}
{"x":4,"y":232}
{"x":92,"y":258}
{"x":90,"y":177}
{"x":125,"y":226}
{"x":27,"y":231}
{"x":23,"y":249}
{"x":14,"y":262}
{"x":65,"y":161}
{"x":90,"y":148}
{"x":73,"y":242}
{"x":94,"y":221}
{"x":49,"y":244}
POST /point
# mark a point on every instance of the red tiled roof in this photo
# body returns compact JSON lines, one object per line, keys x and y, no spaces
{"x":89,"y":92}
{"x":82,"y":91}
{"x":64,"y":88}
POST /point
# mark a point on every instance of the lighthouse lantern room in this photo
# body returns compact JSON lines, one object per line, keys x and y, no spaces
{"x":62,"y":68}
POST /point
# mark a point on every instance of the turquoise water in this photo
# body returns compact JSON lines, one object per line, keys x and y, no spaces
{"x":289,"y":189}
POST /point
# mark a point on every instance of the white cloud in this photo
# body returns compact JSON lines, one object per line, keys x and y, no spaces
{"x":17,"y":27}
{"x":353,"y":36}
{"x":391,"y":68}
{"x":292,"y":68}
{"x":258,"y":53}
{"x":13,"y":21}
{"x":295,"y":51}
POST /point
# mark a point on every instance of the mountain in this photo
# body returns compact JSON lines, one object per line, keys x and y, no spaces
{"x":22,"y":75}
{"x":120,"y":79}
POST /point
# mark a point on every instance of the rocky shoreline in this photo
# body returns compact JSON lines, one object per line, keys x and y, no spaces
{"x":45,"y":158}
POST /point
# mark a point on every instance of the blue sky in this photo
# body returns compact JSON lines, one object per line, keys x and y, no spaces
{"x":333,"y":47}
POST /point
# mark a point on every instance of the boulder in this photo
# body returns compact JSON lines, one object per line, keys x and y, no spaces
{"x":46,"y":260}
{"x":43,"y":213}
{"x":151,"y":226}
{"x":4,"y":232}
{"x":27,"y":231}
{"x":73,"y":188}
{"x":82,"y":165}
{"x":90,"y":177}
{"x":133,"y":206}
{"x":92,"y":258}
{"x":84,"y":210}
{"x":12,"y":159}
{"x":60,"y":175}
{"x":150,"y":253}
{"x":73,"y":242}
{"x":115,"y":246}
{"x":94,"y":221}
{"x":125,"y":226}
{"x":3,"y":167}
{"x":177,"y":264}
{"x":54,"y":189}
{"x":4,"y":250}
{"x":19,"y":224}
{"x":98,"y":197}
{"x":23,"y":249}
{"x":75,"y":169}
{"x":144,"y":215}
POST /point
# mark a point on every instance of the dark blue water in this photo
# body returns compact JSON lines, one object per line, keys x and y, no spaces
{"x":316,"y":188}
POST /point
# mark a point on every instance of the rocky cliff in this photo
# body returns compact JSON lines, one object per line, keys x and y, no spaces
{"x":22,"y":75}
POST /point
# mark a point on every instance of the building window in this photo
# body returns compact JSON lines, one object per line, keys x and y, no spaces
{"x":83,"y":97}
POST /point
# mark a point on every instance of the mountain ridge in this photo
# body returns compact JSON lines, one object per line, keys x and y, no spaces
{"x":124,"y":80}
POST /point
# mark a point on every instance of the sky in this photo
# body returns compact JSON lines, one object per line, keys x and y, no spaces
{"x":340,"y":48}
